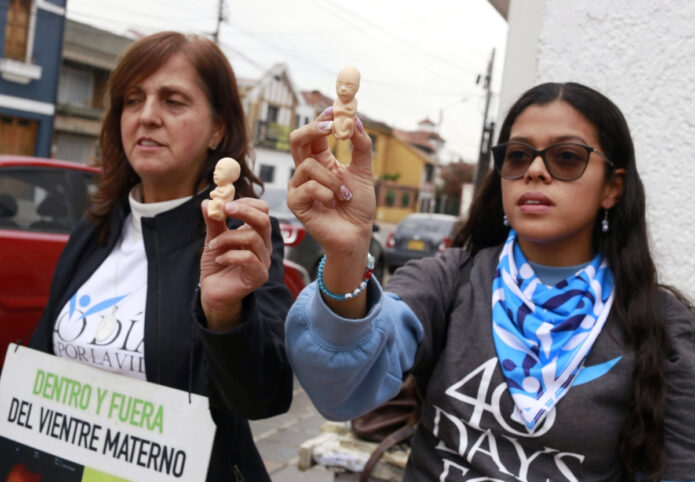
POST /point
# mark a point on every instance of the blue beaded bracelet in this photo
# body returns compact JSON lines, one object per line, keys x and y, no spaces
{"x":347,"y":296}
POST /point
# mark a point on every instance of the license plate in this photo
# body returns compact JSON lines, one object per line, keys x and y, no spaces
{"x":416,"y":245}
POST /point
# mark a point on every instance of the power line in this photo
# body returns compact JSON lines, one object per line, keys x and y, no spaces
{"x":369,"y":30}
{"x":121,"y":8}
{"x":239,"y":53}
{"x":429,"y":54}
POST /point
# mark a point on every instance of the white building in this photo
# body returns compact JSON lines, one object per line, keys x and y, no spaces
{"x":639,"y":53}
{"x":273,"y":108}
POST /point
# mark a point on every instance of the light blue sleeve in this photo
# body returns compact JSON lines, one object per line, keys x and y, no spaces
{"x":349,"y":367}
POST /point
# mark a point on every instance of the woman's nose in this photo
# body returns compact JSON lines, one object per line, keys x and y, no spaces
{"x":537,"y":169}
{"x":150,"y":112}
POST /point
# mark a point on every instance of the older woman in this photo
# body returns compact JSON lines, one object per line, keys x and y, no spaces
{"x":148,"y":286}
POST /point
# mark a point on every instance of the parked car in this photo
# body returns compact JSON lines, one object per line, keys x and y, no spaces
{"x":418,"y":235}
{"x":300,"y":246}
{"x":41,"y":200}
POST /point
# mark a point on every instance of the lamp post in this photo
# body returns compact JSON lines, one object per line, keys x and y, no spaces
{"x":488,"y":130}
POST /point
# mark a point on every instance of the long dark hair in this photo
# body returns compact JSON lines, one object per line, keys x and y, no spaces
{"x":141,"y":60}
{"x":641,"y":444}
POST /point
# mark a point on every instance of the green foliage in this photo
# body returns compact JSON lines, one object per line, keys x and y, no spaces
{"x":390,"y":177}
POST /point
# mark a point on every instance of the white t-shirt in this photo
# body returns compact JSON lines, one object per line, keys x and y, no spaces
{"x":103,"y":323}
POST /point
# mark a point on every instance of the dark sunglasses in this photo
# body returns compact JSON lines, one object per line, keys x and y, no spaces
{"x":565,"y":161}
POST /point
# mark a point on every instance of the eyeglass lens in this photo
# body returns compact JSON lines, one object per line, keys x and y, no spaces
{"x":565,"y":161}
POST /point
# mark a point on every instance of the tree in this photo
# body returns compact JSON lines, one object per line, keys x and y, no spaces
{"x":453,"y":176}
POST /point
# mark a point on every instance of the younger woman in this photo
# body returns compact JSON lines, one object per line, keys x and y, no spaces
{"x":543,"y":347}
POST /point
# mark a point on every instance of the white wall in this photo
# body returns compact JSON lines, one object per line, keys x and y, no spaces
{"x":282,"y":161}
{"x":640,"y":54}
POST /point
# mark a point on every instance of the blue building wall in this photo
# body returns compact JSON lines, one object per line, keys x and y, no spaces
{"x":48,"y":43}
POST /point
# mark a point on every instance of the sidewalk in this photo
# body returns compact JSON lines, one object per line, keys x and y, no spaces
{"x":278,"y":440}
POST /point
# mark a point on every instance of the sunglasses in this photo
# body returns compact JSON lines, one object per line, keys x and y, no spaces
{"x":565,"y":161}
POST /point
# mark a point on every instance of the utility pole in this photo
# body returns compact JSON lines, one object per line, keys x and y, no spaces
{"x":220,"y":18}
{"x":488,"y":129}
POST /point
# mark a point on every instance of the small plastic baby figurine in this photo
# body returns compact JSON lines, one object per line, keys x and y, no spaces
{"x":345,"y":106}
{"x":227,"y":171}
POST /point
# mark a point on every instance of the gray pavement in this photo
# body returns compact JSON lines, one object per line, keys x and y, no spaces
{"x":278,"y":440}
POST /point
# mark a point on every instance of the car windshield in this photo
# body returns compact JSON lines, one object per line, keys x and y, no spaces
{"x":429,"y":225}
{"x":276,"y":197}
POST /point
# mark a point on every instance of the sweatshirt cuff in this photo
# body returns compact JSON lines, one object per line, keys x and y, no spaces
{"x":248,"y":313}
{"x":337,"y":331}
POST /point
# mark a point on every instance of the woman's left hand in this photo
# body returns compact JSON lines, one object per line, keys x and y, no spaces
{"x":234,"y":262}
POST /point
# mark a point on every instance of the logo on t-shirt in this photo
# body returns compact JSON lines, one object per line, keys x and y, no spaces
{"x":104,"y":333}
{"x":469,"y":438}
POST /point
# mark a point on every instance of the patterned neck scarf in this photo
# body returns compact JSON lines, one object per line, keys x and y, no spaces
{"x":544,"y":333}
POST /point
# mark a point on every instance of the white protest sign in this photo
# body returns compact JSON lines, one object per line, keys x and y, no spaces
{"x":114,"y":424}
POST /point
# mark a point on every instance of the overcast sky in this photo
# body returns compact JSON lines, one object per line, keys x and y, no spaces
{"x":417,"y":58}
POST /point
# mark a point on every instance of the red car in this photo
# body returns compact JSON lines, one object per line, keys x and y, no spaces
{"x":41,"y":200}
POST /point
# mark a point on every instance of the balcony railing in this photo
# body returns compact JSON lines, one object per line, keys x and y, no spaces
{"x":273,"y":135}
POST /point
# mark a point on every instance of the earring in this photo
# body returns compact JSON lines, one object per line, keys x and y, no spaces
{"x":505,"y":220}
{"x":604,"y":223}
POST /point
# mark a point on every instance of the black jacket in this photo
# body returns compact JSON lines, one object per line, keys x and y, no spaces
{"x":244,"y":372}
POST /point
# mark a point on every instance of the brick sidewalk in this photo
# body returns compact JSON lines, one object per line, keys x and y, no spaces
{"x":278,"y":440}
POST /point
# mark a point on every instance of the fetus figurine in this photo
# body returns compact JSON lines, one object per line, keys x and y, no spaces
{"x":227,"y":171}
{"x":345,"y":106}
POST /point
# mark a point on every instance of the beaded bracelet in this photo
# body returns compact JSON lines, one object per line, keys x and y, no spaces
{"x":346,"y":296}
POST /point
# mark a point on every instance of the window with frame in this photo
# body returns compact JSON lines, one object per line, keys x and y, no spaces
{"x":373,"y":138}
{"x":17,"y":29}
{"x":76,"y":86}
{"x":75,"y":147}
{"x":429,"y":172}
{"x":273,"y":113}
{"x":266,"y":173}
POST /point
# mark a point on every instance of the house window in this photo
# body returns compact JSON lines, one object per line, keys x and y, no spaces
{"x":75,"y":147}
{"x":267,"y":173}
{"x":429,"y":173}
{"x":17,"y":31}
{"x":272,"y":113}
{"x":373,"y":138}
{"x":76,"y":86}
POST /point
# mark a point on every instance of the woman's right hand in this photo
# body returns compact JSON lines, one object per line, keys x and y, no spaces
{"x":336,"y":203}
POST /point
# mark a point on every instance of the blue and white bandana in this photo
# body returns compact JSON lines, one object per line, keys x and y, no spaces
{"x":544,"y":333}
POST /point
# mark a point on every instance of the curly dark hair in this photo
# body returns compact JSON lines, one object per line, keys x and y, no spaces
{"x":141,"y":60}
{"x":626,"y":247}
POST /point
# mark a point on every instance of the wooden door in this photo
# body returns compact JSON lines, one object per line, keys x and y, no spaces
{"x":17,"y":136}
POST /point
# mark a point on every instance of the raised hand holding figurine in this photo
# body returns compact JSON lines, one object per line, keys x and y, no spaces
{"x":335,"y":203}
